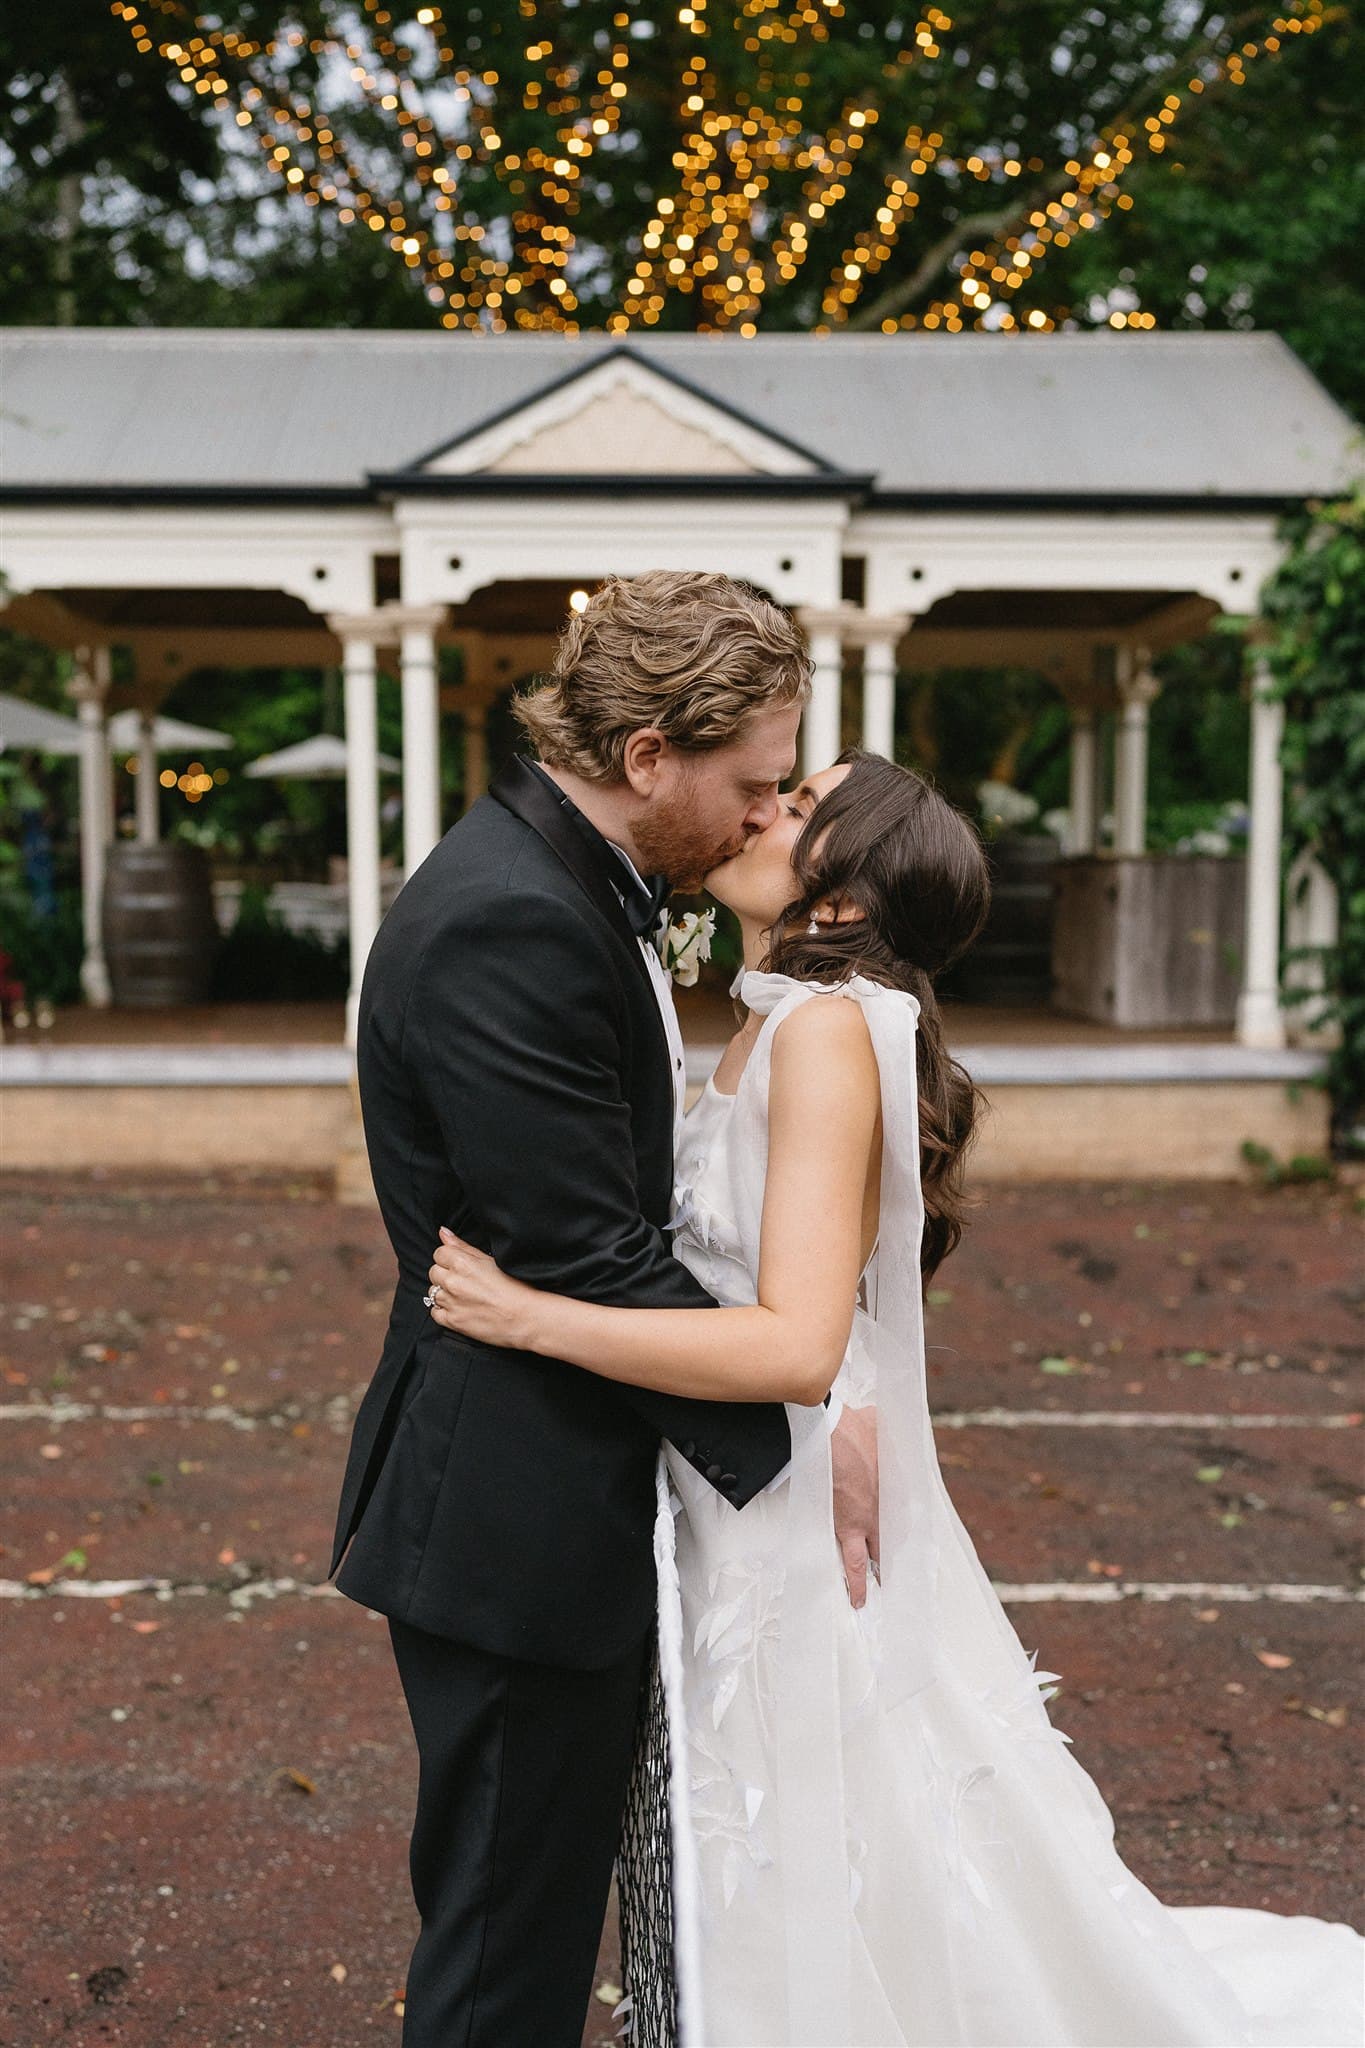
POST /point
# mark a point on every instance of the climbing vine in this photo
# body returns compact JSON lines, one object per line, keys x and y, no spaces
{"x":1315,"y":608}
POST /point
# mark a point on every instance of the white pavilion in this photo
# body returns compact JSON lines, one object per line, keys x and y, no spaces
{"x":1072,"y":504}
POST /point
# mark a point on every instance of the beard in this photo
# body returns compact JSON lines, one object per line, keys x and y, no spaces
{"x":668,"y":841}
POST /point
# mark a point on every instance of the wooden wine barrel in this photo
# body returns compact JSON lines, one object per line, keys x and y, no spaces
{"x":160,"y":935}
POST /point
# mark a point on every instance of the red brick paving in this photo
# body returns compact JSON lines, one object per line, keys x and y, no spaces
{"x":182,"y":1755}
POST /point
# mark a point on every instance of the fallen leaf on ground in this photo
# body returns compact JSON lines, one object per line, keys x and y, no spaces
{"x":1273,"y":1660}
{"x":1209,"y":1473}
{"x":1060,"y":1366}
{"x":295,"y":1778}
{"x":337,"y":1973}
{"x":608,"y":1993}
{"x":145,"y":1628}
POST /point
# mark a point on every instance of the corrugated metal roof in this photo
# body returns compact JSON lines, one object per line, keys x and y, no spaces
{"x":1106,"y":415}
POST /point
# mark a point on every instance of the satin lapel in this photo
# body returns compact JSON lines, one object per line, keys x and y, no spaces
{"x":520,"y":790}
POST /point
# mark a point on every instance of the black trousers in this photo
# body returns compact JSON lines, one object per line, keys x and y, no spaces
{"x":522,"y":1781}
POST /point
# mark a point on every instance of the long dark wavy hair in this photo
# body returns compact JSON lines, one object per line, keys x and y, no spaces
{"x":886,"y":840}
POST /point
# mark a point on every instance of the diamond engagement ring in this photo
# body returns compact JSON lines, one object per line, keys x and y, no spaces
{"x":429,"y":1298}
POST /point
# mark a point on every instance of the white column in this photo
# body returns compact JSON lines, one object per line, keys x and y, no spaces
{"x":421,"y":730}
{"x":88,"y":688}
{"x":880,"y":638}
{"x":822,"y":726}
{"x":1083,"y":832}
{"x":1260,"y":1020}
{"x":1138,"y":689}
{"x":148,"y":790}
{"x":102,"y":668}
{"x":362,"y":808}
{"x":475,"y":753}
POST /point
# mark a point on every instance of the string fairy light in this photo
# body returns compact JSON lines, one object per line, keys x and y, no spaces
{"x":990,"y":277}
{"x":758,"y":179}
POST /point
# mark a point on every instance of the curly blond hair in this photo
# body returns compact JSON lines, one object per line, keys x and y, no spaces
{"x":693,"y":655}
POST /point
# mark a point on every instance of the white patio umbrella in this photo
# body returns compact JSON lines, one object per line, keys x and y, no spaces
{"x":169,"y":735}
{"x":24,"y":725}
{"x":31,"y":725}
{"x":319,"y":759}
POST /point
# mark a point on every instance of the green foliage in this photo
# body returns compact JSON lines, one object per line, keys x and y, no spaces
{"x":102,"y":162}
{"x":1255,"y":217}
{"x":1253,"y":214}
{"x":1315,"y":606}
{"x":287,"y":828}
{"x":44,"y":953}
{"x":261,"y":960}
{"x":1302,"y":1169}
{"x":41,"y":955}
{"x":965,"y":725}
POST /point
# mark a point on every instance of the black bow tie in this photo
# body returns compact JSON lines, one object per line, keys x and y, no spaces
{"x":644,"y":906}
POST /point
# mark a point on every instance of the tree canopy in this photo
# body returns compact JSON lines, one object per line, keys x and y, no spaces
{"x":787,"y":164}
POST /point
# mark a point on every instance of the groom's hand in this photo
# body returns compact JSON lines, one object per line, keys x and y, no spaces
{"x":853,"y":1460}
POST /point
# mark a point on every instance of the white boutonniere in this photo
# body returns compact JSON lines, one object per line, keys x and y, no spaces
{"x":685,"y":943}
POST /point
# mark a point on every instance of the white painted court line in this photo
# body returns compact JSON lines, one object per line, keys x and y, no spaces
{"x":1103,"y":1592}
{"x":1120,"y":1418}
{"x":61,"y":1412}
{"x":338,"y":1411}
{"x":1106,"y":1592}
{"x":240,"y":1593}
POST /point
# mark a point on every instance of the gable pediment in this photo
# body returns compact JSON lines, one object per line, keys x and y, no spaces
{"x":619,"y":416}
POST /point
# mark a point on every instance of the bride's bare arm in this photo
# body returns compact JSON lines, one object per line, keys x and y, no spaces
{"x":823,"y":1117}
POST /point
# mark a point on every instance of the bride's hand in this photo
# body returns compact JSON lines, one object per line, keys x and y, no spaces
{"x":476,"y":1298}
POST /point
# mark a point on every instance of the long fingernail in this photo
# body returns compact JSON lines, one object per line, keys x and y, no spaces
{"x":447,"y":1236}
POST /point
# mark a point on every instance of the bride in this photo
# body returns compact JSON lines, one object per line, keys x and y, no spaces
{"x":877,"y":1835}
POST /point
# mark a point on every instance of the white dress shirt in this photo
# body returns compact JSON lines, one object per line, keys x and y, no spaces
{"x":662,"y":983}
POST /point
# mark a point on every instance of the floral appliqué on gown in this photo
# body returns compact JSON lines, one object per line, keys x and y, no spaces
{"x":861,"y":1829}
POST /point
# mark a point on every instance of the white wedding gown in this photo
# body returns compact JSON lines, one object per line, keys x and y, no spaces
{"x":877,"y":1835}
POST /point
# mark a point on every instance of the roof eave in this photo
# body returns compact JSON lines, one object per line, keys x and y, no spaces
{"x":185,"y":494}
{"x":1092,"y":501}
{"x":520,"y":484}
{"x":382,"y":485}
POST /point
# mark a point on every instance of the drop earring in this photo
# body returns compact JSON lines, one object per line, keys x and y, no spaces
{"x":812,"y":930}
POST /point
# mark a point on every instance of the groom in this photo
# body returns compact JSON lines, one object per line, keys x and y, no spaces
{"x":521,"y":1078}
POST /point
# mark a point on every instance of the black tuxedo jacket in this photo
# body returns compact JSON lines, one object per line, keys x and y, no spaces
{"x":515,"y":1085}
